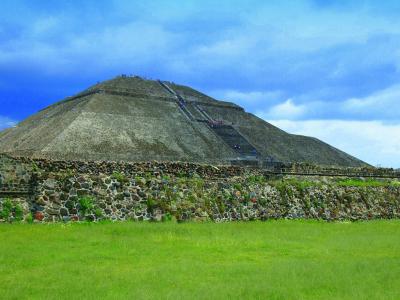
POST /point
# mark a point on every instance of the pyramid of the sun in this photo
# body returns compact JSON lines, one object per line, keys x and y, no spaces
{"x":132,"y":119}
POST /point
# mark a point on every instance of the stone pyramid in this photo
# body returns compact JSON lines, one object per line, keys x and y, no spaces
{"x":133,"y":119}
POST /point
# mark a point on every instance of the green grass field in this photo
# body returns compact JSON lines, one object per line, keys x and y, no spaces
{"x":254,"y":260}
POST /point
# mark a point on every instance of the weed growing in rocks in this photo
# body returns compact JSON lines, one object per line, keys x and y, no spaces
{"x":18,"y":212}
{"x":120,"y":177}
{"x":29,"y":218}
{"x":254,"y":179}
{"x":285,"y":186}
{"x":86,"y":204}
{"x":363,"y":183}
{"x":67,"y":174}
{"x":151,"y":204}
{"x":34,"y":167}
{"x":98,"y":213}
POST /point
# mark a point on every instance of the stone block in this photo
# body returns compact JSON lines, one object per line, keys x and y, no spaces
{"x":82,"y":192}
{"x":39,"y":216}
{"x":64,"y":211}
{"x":52,"y":211}
{"x":50,"y":184}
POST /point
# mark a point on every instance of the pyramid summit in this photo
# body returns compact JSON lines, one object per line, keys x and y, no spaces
{"x":134,"y":119}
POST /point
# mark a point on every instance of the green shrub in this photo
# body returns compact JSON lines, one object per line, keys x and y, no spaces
{"x":18,"y":212}
{"x":238,"y":187}
{"x":34,"y":167}
{"x":253,"y":179}
{"x":220,"y":205}
{"x":279,"y":185}
{"x":362,"y":183}
{"x":300,"y":185}
{"x":5,"y":213}
{"x":86,"y":204}
{"x":181,"y":174}
{"x":98,"y":213}
{"x":262,"y":201}
{"x":29,"y":218}
{"x":167,"y":217}
{"x":198,"y":183}
{"x":11,"y":212}
{"x":120,"y":177}
{"x":148,"y":176}
{"x":151,"y":204}
{"x":67,"y":174}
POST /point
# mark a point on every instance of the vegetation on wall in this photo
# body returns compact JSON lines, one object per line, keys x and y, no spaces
{"x":72,"y":191}
{"x":11,"y":211}
{"x":86,"y":204}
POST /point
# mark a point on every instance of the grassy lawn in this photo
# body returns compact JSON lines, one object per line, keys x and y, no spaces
{"x":254,"y":260}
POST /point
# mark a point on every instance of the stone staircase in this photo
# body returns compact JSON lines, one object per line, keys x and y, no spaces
{"x":15,"y":189}
{"x":196,"y":113}
{"x":179,"y":100}
{"x":234,"y":139}
{"x":227,"y":133}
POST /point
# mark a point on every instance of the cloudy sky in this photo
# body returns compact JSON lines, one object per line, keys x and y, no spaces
{"x":325,"y":68}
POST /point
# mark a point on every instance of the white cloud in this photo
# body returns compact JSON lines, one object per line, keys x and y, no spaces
{"x":233,"y":47}
{"x":268,"y":44}
{"x":372,"y":141}
{"x":251,"y":99}
{"x":286,"y":110}
{"x":130,"y":44}
{"x":6,"y":122}
{"x":384,"y":103}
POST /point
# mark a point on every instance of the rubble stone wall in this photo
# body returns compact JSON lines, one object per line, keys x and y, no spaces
{"x":72,"y":191}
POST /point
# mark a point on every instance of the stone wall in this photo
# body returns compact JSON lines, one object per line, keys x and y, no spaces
{"x":366,"y":171}
{"x":14,"y":171}
{"x":72,"y":191}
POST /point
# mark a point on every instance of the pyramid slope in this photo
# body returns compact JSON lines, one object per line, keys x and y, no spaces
{"x":134,"y":85}
{"x":33,"y":134}
{"x":107,"y":127}
{"x":132,"y":119}
{"x":272,"y":141}
{"x":115,"y":127}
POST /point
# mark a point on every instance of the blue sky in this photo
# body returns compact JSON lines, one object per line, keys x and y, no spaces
{"x":329,"y":69}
